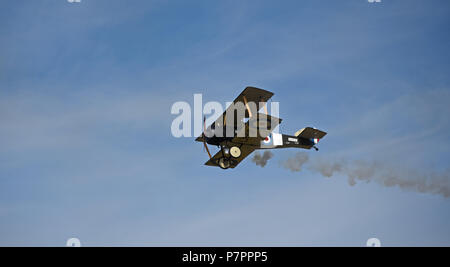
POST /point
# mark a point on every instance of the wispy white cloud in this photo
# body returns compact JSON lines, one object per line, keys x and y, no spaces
{"x":86,"y":146}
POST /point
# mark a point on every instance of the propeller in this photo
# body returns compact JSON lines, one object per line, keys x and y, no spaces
{"x":204,"y":138}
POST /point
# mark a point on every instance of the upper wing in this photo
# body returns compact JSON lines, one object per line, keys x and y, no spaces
{"x":250,"y":94}
{"x":253,"y":94}
{"x":245,"y":151}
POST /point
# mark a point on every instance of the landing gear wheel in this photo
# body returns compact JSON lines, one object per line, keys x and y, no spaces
{"x":235,"y":152}
{"x":224,"y":163}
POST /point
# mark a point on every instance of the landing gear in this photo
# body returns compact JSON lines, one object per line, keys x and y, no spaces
{"x":315,"y":148}
{"x":233,"y":152}
{"x":228,"y":156}
{"x":224,"y":163}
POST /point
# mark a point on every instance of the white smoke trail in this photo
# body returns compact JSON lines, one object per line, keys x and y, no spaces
{"x":262,"y":160}
{"x":296,"y":162}
{"x":432,"y":183}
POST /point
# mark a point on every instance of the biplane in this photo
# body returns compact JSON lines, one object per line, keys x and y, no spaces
{"x":242,"y":129}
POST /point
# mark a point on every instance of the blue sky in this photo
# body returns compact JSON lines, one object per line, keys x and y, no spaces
{"x":85,"y":97}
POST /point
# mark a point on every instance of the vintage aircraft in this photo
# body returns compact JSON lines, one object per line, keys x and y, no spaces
{"x":237,"y":146}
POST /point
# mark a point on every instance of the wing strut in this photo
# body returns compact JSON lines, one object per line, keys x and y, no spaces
{"x":247,"y":106}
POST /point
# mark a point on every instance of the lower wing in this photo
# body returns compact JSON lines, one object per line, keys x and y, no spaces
{"x":245,"y":151}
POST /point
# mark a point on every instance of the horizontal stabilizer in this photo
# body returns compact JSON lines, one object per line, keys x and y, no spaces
{"x":310,"y":133}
